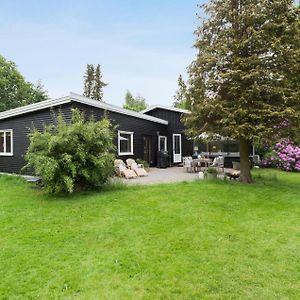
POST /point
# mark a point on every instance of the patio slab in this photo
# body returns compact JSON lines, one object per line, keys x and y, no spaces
{"x":169,"y":175}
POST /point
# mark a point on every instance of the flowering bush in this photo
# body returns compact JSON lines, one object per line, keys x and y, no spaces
{"x":285,"y":155}
{"x":288,"y":156}
{"x":270,"y":160}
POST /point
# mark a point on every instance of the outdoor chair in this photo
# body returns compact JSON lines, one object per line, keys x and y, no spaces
{"x":218,"y":163}
{"x":256,"y":160}
{"x":196,"y":165}
{"x":137,"y":168}
{"x":122,"y":170}
{"x":187,"y":164}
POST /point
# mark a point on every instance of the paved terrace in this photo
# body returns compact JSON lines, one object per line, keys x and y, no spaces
{"x":169,"y":175}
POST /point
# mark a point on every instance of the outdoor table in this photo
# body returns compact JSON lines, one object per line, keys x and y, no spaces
{"x":199,"y":161}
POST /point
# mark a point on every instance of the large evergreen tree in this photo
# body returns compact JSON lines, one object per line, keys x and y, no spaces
{"x":137,"y":103}
{"x":245,"y":78}
{"x":93,"y":83}
{"x":99,"y":84}
{"x":15,"y":91}
{"x":88,"y":80}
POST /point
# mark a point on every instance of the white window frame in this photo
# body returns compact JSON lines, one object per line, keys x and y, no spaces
{"x":177,"y":157}
{"x":131,"y":144}
{"x":5,"y":153}
{"x":166,"y":142}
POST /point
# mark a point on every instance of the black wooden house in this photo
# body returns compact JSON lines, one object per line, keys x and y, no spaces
{"x":139,"y":135}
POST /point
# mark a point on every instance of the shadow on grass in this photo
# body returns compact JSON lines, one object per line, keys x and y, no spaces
{"x":78,"y":195}
{"x":274,"y":179}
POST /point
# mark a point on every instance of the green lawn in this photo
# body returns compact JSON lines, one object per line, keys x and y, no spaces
{"x":198,"y":240}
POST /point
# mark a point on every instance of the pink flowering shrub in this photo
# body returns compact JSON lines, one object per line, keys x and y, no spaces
{"x":285,"y":155}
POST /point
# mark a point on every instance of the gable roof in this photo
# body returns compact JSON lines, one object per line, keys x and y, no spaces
{"x":180,"y":110}
{"x":73,"y":97}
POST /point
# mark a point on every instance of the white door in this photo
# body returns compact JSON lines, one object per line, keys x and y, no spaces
{"x":177,"y":156}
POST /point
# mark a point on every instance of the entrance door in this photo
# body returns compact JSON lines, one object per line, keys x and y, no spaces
{"x":148,"y":149}
{"x":177,"y":153}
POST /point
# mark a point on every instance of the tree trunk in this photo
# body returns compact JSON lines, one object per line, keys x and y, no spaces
{"x":245,"y":176}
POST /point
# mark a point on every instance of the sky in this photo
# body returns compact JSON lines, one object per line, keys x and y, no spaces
{"x":142,"y":46}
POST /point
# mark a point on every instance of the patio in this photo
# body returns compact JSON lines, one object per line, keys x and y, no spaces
{"x":169,"y":175}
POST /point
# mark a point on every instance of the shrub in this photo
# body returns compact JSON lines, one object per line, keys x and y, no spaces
{"x":143,"y":162}
{"x":288,"y":156}
{"x":211,"y":170}
{"x":284,"y":155}
{"x":72,"y":156}
{"x":270,"y":159}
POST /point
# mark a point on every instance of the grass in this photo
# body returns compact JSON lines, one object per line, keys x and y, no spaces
{"x":197,"y":240}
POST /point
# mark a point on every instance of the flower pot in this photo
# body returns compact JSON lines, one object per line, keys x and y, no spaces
{"x":201,"y":175}
{"x":211,"y":175}
{"x":236,"y":165}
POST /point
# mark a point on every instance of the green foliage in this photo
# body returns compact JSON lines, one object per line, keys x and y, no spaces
{"x":93,"y":83}
{"x":98,"y":85}
{"x":211,"y":170}
{"x":194,"y":240}
{"x":245,"y":78}
{"x":15,"y":91}
{"x":88,"y":80}
{"x":143,"y":162}
{"x":137,"y":103}
{"x":72,"y":156}
{"x":180,"y":100}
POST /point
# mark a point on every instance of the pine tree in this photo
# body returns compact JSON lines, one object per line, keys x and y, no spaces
{"x":88,"y":80}
{"x":180,"y":95}
{"x":245,"y":78}
{"x":97,"y":92}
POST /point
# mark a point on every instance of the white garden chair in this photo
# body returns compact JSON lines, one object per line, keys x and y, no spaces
{"x":187,"y":164}
{"x":218,"y":163}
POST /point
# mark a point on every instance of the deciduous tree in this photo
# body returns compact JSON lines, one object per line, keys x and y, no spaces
{"x":137,"y":103}
{"x":15,"y":91}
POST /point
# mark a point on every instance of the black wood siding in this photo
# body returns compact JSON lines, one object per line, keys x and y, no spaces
{"x":175,"y":126}
{"x":140,"y":127}
{"x":21,"y":127}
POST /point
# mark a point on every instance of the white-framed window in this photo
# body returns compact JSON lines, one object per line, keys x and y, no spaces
{"x":6,"y":142}
{"x":162,"y":143}
{"x":125,"y":143}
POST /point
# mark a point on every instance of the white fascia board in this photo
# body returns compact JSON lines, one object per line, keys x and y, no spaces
{"x":95,"y":103}
{"x":77,"y":98}
{"x":180,"y":110}
{"x":34,"y":107}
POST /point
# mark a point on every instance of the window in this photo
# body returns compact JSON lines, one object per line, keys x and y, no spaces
{"x":177,"y":143}
{"x":162,"y":143}
{"x":125,"y":143}
{"x":6,"y":142}
{"x":221,"y":146}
